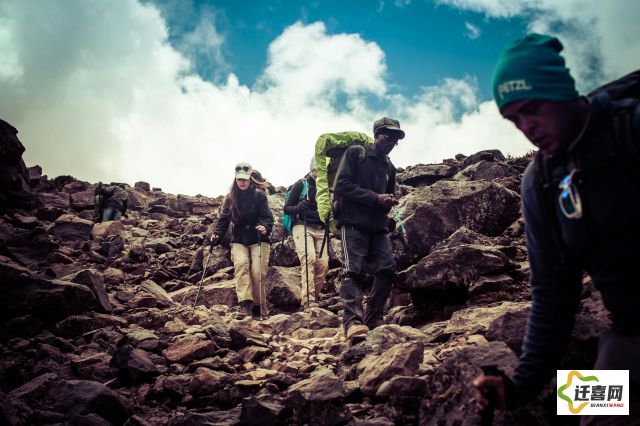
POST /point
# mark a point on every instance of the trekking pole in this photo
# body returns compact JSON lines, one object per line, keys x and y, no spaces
{"x":400,"y":222}
{"x":260,"y":261}
{"x":204,"y":271}
{"x":306,"y":258}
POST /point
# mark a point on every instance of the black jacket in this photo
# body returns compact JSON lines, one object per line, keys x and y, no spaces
{"x":604,"y":243}
{"x":311,"y":214}
{"x":114,"y":196}
{"x":359,"y":180}
{"x":254,"y":210}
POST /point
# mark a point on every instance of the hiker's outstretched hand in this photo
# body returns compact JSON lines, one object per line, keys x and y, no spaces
{"x":484,"y":385}
{"x":214,"y":240}
{"x":261,"y":229}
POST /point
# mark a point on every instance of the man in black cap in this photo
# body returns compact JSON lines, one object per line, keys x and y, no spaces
{"x":364,"y":188}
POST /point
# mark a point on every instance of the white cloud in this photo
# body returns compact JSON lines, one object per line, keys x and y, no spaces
{"x":473,"y":31}
{"x":600,"y":37}
{"x":96,"y":91}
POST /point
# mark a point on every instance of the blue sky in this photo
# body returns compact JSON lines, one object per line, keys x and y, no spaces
{"x":423,"y":42}
{"x":176,"y":92}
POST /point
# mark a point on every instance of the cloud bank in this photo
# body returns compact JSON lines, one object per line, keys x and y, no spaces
{"x":97,"y":91}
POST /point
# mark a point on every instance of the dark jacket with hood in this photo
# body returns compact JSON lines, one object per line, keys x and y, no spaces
{"x":360,"y":178}
{"x":114,"y":196}
{"x":253,"y":210}
{"x":604,"y":243}
{"x":291,"y":207}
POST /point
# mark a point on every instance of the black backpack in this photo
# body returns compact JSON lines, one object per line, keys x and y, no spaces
{"x":624,"y":95}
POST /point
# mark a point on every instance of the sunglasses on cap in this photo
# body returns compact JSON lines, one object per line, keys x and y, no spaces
{"x":569,"y":198}
{"x":243,"y":168}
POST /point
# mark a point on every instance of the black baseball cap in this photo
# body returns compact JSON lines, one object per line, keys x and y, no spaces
{"x":389,"y":124}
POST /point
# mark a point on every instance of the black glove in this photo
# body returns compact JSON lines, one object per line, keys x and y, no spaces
{"x":302,"y":206}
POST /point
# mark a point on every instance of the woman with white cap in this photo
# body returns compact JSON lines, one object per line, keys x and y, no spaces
{"x":308,"y":233}
{"x":247,"y":210}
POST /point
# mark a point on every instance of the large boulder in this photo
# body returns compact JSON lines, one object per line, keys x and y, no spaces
{"x":283,"y":288}
{"x":450,"y":391}
{"x":50,"y":300}
{"x":432,"y":213}
{"x":402,"y":359}
{"x":477,"y":320}
{"x":60,"y":200}
{"x":188,"y":349}
{"x":444,"y":276}
{"x":83,"y":200}
{"x":284,"y":254}
{"x":485,"y":155}
{"x":211,"y":293}
{"x":133,"y":365}
{"x":83,"y":397}
{"x":15,"y":191}
{"x":69,"y":227}
{"x":107,"y":229}
{"x":276,"y":204}
{"x":485,"y":170}
{"x":318,"y":400}
{"x":29,"y":246}
{"x":425,"y":174}
{"x":94,"y":281}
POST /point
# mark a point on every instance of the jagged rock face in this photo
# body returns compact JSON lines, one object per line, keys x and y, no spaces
{"x":485,"y":170}
{"x":15,"y":191}
{"x":425,"y":174}
{"x":117,"y":332}
{"x":430,"y":214}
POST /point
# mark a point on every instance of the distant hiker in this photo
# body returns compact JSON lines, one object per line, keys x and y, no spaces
{"x":306,"y":225}
{"x":580,"y":202}
{"x":246,"y":208}
{"x":111,"y":202}
{"x":260,"y":182}
{"x":364,"y":188}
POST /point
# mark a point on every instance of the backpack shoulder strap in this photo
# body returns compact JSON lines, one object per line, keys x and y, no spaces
{"x":548,"y":200}
{"x":305,"y":188}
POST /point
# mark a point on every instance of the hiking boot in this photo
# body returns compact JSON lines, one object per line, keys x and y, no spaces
{"x":245,"y":307}
{"x":255,"y":312}
{"x":356,"y":330}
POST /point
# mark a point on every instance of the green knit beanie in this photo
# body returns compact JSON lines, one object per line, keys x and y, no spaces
{"x":532,"y":68}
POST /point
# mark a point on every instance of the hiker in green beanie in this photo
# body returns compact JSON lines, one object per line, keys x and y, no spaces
{"x":579,"y":216}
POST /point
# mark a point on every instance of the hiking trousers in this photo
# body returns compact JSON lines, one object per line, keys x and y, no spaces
{"x":617,"y":352}
{"x":317,"y":266}
{"x":111,"y":213}
{"x":247,"y":270}
{"x":375,"y":249}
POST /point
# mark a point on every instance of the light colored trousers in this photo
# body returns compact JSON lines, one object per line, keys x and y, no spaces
{"x":246,"y":265}
{"x":317,"y":266}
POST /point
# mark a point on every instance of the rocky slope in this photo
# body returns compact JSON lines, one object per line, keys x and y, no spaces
{"x":98,"y":325}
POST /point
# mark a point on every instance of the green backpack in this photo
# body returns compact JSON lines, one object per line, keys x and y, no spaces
{"x":330,"y":148}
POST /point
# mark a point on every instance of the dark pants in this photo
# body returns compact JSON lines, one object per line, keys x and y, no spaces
{"x":375,"y":249}
{"x":616,"y":352}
